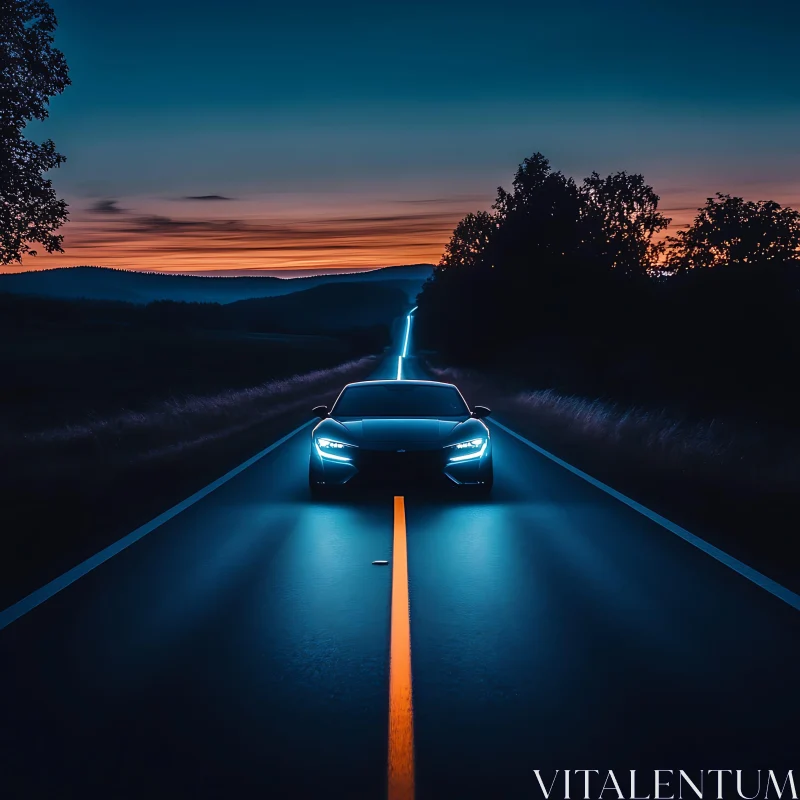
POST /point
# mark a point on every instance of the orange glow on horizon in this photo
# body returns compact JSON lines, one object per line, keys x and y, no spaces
{"x":214,"y":250}
{"x":151,"y":257}
{"x":336,"y":233}
{"x":253,"y":236}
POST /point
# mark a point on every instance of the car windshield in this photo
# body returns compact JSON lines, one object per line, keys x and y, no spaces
{"x":400,"y":400}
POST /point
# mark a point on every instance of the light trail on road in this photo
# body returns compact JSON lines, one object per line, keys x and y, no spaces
{"x":404,"y":353}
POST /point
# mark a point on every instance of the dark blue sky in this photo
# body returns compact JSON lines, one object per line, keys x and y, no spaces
{"x":306,"y":113}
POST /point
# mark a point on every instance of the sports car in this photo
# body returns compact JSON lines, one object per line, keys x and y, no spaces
{"x":394,"y":432}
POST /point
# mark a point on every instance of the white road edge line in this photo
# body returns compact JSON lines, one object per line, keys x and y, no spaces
{"x":22,"y":607}
{"x":769,"y":585}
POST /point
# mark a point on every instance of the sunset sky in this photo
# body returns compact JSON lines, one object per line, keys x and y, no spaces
{"x":206,"y":136}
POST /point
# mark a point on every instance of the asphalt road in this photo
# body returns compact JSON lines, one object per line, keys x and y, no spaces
{"x":242,"y":648}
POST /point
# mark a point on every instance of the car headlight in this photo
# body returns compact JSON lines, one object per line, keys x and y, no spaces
{"x":335,"y":451}
{"x":464,"y":451}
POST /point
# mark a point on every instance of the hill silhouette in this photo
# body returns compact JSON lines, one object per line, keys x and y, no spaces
{"x":102,"y":283}
{"x":328,"y":308}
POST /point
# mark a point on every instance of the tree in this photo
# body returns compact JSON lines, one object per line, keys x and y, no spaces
{"x":31,"y":72}
{"x":520,"y":266}
{"x":539,"y":221}
{"x":729,"y":231}
{"x":622,"y":212}
{"x":469,"y":241}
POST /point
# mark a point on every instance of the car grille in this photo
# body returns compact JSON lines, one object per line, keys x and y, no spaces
{"x":388,"y":465}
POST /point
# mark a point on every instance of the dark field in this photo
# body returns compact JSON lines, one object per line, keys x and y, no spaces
{"x":63,"y":361}
{"x":113,"y":412}
{"x":50,"y":380}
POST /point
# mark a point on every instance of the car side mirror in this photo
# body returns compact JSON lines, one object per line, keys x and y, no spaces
{"x":479,"y":412}
{"x":320,"y":411}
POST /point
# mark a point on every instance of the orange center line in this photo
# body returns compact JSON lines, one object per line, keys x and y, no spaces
{"x":401,"y":710}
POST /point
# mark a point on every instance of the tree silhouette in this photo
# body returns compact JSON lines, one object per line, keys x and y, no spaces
{"x":470,"y":239}
{"x":539,"y":221}
{"x":622,"y":212}
{"x":733,"y":232}
{"x":553,"y":256}
{"x":564,"y":286}
{"x":518,"y":265}
{"x":31,"y":72}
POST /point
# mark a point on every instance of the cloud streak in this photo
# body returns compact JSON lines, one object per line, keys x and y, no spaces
{"x":278,"y":233}
{"x":205,"y":198}
{"x":106,"y":207}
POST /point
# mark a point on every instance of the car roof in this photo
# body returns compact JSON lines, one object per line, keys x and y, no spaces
{"x":394,"y":383}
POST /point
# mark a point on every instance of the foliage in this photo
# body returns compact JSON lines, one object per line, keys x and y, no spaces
{"x":469,"y":242}
{"x":622,"y":211}
{"x":730,"y":231}
{"x":31,"y":72}
{"x":547,"y":220}
{"x":549,"y":252}
{"x":539,"y":221}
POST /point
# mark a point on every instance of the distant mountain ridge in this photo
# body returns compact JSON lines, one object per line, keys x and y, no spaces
{"x":103,"y":283}
{"x":325,"y":310}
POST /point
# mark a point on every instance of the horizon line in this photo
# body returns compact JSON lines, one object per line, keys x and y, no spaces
{"x":233,"y":272}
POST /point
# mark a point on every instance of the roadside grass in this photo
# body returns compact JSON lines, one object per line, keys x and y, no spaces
{"x":732,"y":482}
{"x":714,"y":449}
{"x":176,"y":424}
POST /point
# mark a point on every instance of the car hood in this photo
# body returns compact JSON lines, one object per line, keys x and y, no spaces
{"x":393,"y":432}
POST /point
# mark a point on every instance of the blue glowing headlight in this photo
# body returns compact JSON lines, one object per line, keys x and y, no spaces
{"x":330,"y":448}
{"x":464,"y":451}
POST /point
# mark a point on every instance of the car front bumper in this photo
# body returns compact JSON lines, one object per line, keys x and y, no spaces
{"x":398,"y":467}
